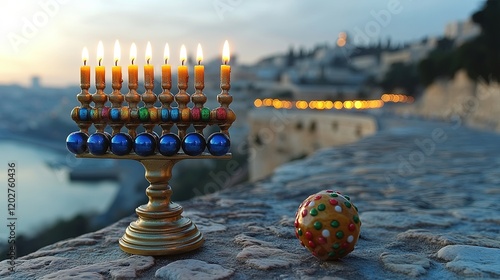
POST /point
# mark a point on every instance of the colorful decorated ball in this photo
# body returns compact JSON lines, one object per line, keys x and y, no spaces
{"x":169,"y":145}
{"x":145,"y":144}
{"x":98,"y":143}
{"x":121,"y":144}
{"x":218,"y":144}
{"x":193,"y":144}
{"x":328,"y":225}
{"x":76,"y":142}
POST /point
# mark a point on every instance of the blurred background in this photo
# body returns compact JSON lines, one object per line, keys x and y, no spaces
{"x":288,"y":58}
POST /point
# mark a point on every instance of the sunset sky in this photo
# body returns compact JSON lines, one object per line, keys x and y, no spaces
{"x":46,"y":37}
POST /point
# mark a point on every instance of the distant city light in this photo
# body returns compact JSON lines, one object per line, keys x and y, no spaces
{"x":342,"y":40}
{"x":397,"y":98}
{"x":329,"y":105}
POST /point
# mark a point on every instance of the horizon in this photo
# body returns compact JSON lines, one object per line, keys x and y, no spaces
{"x":46,"y":38}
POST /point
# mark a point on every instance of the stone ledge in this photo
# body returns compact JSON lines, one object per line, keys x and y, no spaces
{"x":424,"y":207}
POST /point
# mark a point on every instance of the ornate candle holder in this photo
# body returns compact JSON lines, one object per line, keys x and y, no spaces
{"x":160,"y":228}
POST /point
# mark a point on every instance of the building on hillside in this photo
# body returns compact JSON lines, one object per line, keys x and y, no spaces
{"x":461,"y":31}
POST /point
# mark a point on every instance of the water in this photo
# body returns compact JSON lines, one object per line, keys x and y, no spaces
{"x":43,"y":194}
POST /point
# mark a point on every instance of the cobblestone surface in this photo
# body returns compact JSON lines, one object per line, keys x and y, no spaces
{"x":427,"y":194}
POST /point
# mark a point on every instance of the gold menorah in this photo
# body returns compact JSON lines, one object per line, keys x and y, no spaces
{"x":160,"y":228}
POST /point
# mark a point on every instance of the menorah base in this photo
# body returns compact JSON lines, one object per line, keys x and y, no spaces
{"x":160,"y":228}
{"x":165,"y":233}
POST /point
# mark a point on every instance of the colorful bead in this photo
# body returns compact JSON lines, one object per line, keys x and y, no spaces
{"x":76,"y":142}
{"x":304,"y":212}
{"x":94,"y":114}
{"x":143,"y":114}
{"x":105,"y":113}
{"x":313,"y":212}
{"x":165,"y":115}
{"x":153,"y":115}
{"x":205,"y":114}
{"x":83,"y":114}
{"x":193,"y":144}
{"x":196,"y":114}
{"x":221,"y":114}
{"x":185,"y":115}
{"x":125,"y":114}
{"x":218,"y":144}
{"x":351,"y":227}
{"x":115,"y":114}
{"x":317,"y":225}
{"x":328,"y":221}
{"x":175,"y":115}
{"x":309,"y":235}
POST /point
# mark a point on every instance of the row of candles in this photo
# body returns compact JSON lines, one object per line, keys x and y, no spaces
{"x":166,"y":71}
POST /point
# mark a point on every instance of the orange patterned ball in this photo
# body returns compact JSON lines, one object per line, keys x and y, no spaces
{"x":328,"y":225}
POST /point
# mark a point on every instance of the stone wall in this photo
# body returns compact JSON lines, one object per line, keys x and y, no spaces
{"x":461,"y":101}
{"x":278,"y":136}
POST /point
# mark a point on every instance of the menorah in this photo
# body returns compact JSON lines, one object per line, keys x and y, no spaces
{"x":160,"y":228}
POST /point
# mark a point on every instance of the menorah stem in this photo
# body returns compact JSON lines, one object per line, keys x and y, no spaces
{"x":160,"y":228}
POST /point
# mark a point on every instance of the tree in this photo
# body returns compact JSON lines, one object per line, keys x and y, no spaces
{"x":481,"y":56}
{"x":401,"y":75}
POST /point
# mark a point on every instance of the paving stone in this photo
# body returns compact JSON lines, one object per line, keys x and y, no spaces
{"x":265,"y":258}
{"x":471,"y":261}
{"x":409,"y":264}
{"x":193,"y":269}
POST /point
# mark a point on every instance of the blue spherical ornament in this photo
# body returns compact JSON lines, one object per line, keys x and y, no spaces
{"x":76,"y":142}
{"x":145,"y":144}
{"x":169,"y":144}
{"x":193,"y":144}
{"x":121,"y":144}
{"x":98,"y":143}
{"x":218,"y":144}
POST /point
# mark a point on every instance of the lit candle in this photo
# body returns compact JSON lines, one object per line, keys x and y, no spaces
{"x":85,"y":69}
{"x":166,"y":70}
{"x":225,"y":69}
{"x":99,"y":70}
{"x":182,"y":70}
{"x":148,"y":69}
{"x":199,"y":70}
{"x":132,"y":69}
{"x":116,"y":70}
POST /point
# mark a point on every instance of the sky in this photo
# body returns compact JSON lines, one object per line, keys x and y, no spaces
{"x":45,"y":38}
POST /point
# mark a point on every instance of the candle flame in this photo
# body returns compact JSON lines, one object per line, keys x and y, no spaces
{"x":183,"y":54}
{"x":225,"y":53}
{"x":166,"y":53}
{"x":133,"y":53}
{"x":149,"y":52}
{"x":85,"y":55}
{"x":100,"y":52}
{"x":117,"y":53}
{"x":199,"y":54}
